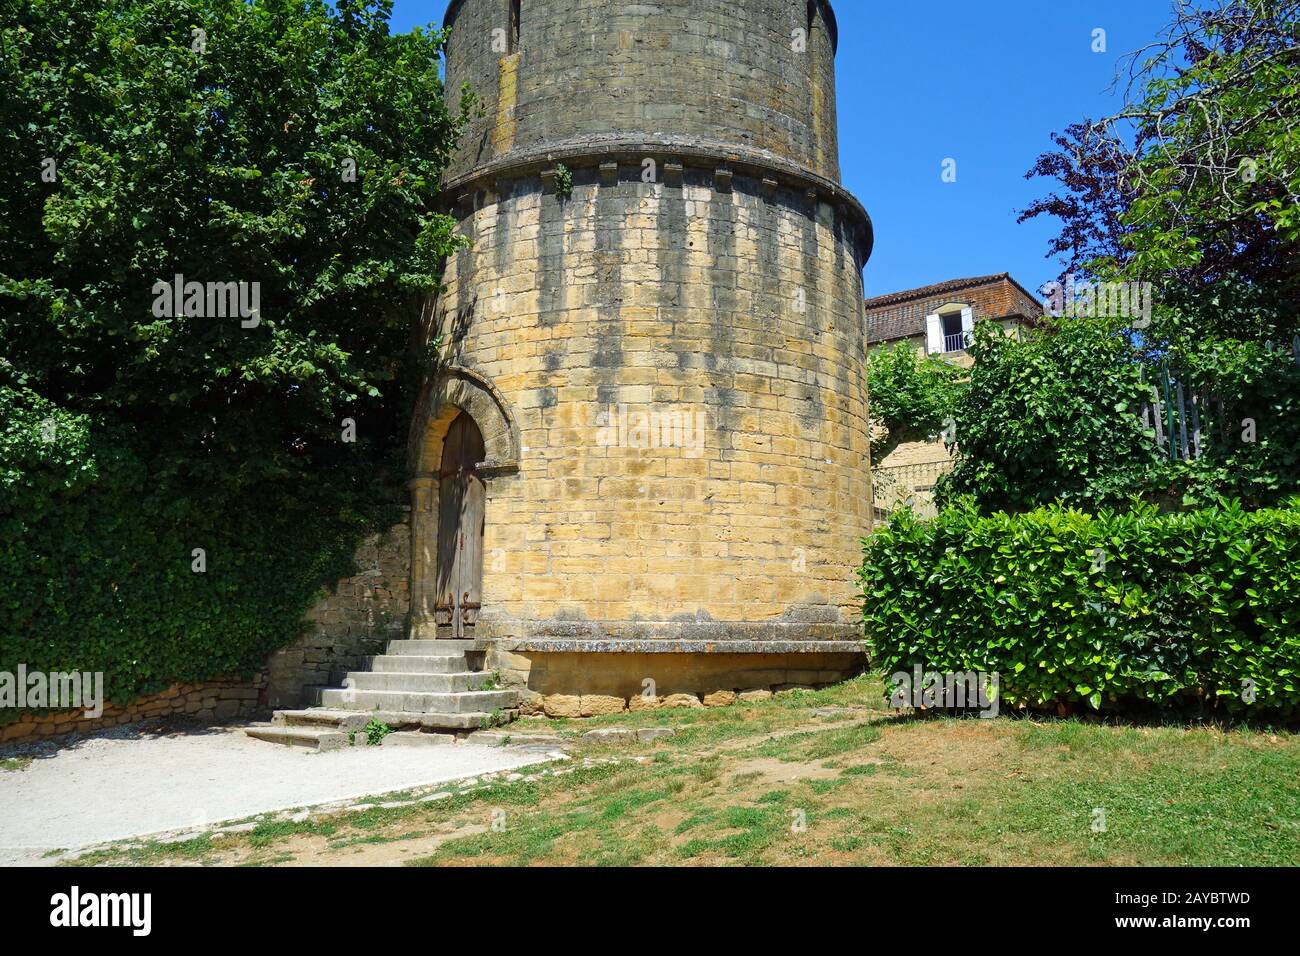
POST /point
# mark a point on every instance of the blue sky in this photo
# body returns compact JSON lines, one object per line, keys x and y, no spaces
{"x":983,"y":82}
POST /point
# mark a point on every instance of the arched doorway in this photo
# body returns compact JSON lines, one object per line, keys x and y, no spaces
{"x":461,"y":497}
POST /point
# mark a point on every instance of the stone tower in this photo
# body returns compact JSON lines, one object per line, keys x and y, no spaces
{"x":642,"y":452}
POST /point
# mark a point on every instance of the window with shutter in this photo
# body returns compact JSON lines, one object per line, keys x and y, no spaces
{"x":933,"y":334}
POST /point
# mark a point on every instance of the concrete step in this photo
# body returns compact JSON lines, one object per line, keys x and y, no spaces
{"x":473,"y":701}
{"x":503,"y":738}
{"x":420,"y":683}
{"x":434,"y":648}
{"x":319,"y":717}
{"x":414,"y":738}
{"x":319,"y":738}
{"x":400,"y":663}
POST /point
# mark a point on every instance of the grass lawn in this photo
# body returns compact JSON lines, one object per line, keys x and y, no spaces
{"x":774,"y":782}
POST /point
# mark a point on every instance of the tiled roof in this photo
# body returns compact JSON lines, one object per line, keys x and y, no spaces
{"x":902,"y":314}
{"x":883,"y":328}
{"x":938,"y":288}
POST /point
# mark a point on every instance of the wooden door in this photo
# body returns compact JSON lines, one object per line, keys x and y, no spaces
{"x":461,"y":497}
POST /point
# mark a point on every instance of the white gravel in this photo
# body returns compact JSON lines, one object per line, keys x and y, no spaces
{"x":130,"y":782}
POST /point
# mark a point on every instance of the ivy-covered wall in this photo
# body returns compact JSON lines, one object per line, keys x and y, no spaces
{"x":107,"y":566}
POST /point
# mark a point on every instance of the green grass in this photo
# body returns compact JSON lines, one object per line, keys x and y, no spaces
{"x":768,"y":783}
{"x":15,"y":763}
{"x":753,"y":829}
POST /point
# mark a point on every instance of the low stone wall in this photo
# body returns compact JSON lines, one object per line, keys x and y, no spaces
{"x":214,"y":700}
{"x":588,"y":684}
{"x":356,"y":620}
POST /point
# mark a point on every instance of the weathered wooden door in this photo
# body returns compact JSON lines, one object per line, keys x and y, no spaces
{"x":461,"y":496}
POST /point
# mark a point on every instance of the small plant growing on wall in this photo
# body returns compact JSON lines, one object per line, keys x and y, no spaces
{"x":563,"y":181}
{"x":376,"y":731}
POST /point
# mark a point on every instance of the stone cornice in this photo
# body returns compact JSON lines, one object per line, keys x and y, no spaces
{"x":455,"y":5}
{"x":595,"y":151}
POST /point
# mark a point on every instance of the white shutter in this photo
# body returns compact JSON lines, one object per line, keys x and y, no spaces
{"x":933,"y":334}
{"x":967,"y":326}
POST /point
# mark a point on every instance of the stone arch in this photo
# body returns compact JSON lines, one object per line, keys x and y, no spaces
{"x":453,"y":391}
{"x":457,"y":389}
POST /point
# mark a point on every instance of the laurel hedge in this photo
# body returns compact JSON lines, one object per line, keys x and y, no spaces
{"x":1195,"y":611}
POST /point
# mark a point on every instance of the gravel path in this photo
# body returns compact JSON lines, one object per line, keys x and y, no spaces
{"x":131,"y":782}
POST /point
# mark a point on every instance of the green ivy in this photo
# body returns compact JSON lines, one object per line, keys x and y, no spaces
{"x":1105,"y":612}
{"x":97,"y":564}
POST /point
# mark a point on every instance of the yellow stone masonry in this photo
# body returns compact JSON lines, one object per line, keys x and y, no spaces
{"x":735,"y":319}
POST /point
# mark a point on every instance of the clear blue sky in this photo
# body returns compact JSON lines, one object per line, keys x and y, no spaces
{"x":983,"y":82}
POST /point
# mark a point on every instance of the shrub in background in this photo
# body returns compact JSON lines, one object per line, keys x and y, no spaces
{"x":912,"y":395}
{"x":1051,"y":414}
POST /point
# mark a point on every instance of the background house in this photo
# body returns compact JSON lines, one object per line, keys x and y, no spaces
{"x":937,"y":320}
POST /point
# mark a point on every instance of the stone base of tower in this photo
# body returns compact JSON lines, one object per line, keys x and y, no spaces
{"x":587,"y":678}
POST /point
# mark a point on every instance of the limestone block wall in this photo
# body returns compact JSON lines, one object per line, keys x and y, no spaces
{"x":756,"y":74}
{"x":729,"y":306}
{"x":355,"y":620}
{"x":665,"y":360}
{"x":590,"y":684}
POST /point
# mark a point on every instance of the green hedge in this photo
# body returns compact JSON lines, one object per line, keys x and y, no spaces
{"x":96,"y":567}
{"x":1106,"y":612}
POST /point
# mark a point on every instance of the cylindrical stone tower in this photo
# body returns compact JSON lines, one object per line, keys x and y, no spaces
{"x":657,"y":334}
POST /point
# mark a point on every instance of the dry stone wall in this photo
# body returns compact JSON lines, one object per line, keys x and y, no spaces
{"x":209,"y":701}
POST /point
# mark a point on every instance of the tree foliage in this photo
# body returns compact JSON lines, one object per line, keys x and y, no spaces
{"x":1195,"y":182}
{"x":1057,"y":414}
{"x":1052,"y":415}
{"x":1251,"y":434}
{"x":213,"y":139}
{"x":219,"y":155}
{"x":1193,"y":186}
{"x":912,"y":396}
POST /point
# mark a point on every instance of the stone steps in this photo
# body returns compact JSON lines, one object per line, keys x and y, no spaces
{"x":420,"y":685}
{"x":345,"y":720}
{"x":354,"y":720}
{"x":434,"y":648}
{"x":417,"y":702}
{"x":416,"y":681}
{"x":411,"y":663}
{"x":310,"y":737}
